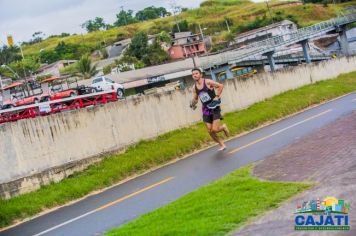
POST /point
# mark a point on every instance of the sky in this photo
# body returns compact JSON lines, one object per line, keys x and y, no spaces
{"x":21,"y":18}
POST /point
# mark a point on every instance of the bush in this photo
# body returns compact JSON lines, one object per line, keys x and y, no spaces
{"x":71,"y":69}
{"x":121,"y":36}
{"x":104,"y":53}
{"x":217,"y":48}
{"x":43,"y":77}
{"x":107,"y":69}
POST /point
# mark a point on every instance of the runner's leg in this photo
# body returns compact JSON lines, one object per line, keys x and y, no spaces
{"x":215,"y":127}
{"x":212,"y":134}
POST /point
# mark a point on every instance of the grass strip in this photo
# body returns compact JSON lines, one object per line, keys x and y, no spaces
{"x":147,"y":154}
{"x":214,"y":209}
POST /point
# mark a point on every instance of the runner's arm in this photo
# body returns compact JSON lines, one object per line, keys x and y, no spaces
{"x":213,"y":84}
{"x":194,"y":102}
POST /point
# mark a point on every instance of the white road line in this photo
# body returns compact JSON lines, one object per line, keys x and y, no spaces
{"x":277,"y":132}
{"x":106,"y":206}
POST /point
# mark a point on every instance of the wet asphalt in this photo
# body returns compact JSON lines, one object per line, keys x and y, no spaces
{"x":118,"y":205}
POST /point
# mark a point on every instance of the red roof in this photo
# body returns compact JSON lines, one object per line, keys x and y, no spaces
{"x":50,"y":79}
{"x":13,"y":85}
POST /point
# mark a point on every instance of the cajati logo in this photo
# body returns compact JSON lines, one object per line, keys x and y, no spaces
{"x":328,"y":214}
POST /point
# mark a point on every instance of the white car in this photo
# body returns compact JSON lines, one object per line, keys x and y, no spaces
{"x":103,"y":83}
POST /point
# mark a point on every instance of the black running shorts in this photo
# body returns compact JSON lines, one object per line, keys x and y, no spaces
{"x":216,"y":115}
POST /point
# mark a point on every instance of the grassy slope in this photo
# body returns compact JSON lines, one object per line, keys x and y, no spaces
{"x":215,"y":209}
{"x":240,"y":11}
{"x":147,"y":154}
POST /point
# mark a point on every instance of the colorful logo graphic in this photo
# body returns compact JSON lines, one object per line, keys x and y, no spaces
{"x":328,"y":214}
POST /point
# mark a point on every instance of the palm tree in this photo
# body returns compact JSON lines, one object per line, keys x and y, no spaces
{"x":86,"y":70}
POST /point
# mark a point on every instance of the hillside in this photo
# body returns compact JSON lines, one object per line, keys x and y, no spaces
{"x":211,"y":15}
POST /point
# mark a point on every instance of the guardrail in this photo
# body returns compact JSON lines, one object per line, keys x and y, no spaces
{"x":66,"y":104}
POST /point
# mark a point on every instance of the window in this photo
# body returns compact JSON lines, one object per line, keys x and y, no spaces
{"x":245,"y":71}
{"x":238,"y":73}
{"x":249,"y":69}
{"x":109,"y":80}
{"x":222,"y":76}
{"x":97,"y":80}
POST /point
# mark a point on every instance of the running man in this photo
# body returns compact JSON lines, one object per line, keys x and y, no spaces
{"x":204,"y":89}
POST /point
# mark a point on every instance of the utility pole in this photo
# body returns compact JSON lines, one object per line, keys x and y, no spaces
{"x":201,"y":32}
{"x":269,"y":10}
{"x":123,"y":12}
{"x":175,"y":9}
{"x":228,"y":27}
{"x":23,"y":67}
{"x":21,"y":51}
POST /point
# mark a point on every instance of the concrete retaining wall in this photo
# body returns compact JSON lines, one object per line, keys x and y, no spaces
{"x":33,"y":146}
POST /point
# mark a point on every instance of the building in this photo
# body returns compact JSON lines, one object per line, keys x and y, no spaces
{"x":4,"y":82}
{"x":186,"y":44}
{"x":54,"y":68}
{"x":279,"y":28}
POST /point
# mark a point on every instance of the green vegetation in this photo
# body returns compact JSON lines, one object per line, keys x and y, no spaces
{"x":64,"y":51}
{"x":85,"y":68}
{"x":140,"y":50}
{"x":71,"y":69}
{"x":215,"y":209}
{"x":240,"y":12}
{"x":95,"y":25}
{"x":147,"y":154}
{"x":240,"y":15}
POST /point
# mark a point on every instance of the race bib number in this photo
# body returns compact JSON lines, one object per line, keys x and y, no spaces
{"x":204,"y":97}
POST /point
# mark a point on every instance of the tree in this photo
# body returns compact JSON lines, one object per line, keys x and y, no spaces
{"x":9,"y":54}
{"x":150,"y":13}
{"x":94,"y":25}
{"x":183,"y":26}
{"x":25,"y":67}
{"x":164,"y":37}
{"x":139,"y":45}
{"x":126,"y":60}
{"x":155,"y":55}
{"x":64,"y":51}
{"x":62,"y":35}
{"x":124,"y":18}
{"x":48,"y":56}
{"x":85,"y":68}
{"x":37,"y":37}
{"x":149,"y":54}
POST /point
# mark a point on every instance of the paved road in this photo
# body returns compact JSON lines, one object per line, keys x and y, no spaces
{"x":118,"y":205}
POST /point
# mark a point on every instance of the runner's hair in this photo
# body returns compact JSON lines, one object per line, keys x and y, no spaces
{"x":197,"y":69}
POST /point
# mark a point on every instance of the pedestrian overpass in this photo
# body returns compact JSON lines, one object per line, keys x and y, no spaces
{"x":269,"y":46}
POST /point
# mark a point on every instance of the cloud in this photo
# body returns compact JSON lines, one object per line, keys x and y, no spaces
{"x":22,"y":18}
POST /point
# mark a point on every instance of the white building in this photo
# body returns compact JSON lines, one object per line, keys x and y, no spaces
{"x":279,"y":28}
